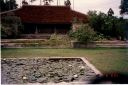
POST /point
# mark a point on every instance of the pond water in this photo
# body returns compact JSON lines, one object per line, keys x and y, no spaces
{"x":44,"y":70}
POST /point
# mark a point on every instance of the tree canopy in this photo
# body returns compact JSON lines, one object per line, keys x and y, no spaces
{"x":11,"y":26}
{"x":6,"y":5}
{"x":110,"y":12}
{"x":67,"y":3}
{"x":124,"y":7}
{"x":47,"y":2}
{"x":109,"y":26}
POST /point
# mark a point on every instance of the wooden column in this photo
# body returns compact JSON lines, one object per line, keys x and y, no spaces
{"x":55,"y":31}
{"x":36,"y":32}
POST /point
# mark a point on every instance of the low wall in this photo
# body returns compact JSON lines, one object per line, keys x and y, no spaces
{"x":83,"y":45}
{"x":41,"y":43}
{"x":34,"y":43}
{"x":100,"y":44}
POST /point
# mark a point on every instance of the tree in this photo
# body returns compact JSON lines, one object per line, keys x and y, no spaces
{"x":47,"y":2}
{"x":97,"y":21}
{"x":120,"y":31}
{"x":124,"y":7}
{"x":67,"y":3}
{"x":123,"y":12}
{"x":7,"y":5}
{"x":24,"y":2}
{"x":110,"y":12}
{"x":2,"y":6}
{"x":10,"y":26}
{"x":108,"y":25}
{"x":11,"y":4}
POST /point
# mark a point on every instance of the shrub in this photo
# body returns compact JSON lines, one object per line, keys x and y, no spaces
{"x":59,"y":41}
{"x":99,"y":37}
{"x":11,"y":26}
{"x":84,"y":33}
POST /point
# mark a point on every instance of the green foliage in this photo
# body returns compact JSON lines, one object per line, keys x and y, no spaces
{"x":99,"y":37}
{"x":124,"y":7}
{"x":57,"y":40}
{"x":6,"y":5}
{"x":75,"y":20}
{"x":11,"y":26}
{"x":83,"y":34}
{"x":110,"y":12}
{"x":54,"y":41}
{"x":96,"y":21}
{"x":109,"y":26}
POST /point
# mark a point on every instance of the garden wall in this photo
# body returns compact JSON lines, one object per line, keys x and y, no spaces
{"x":100,"y":44}
{"x":42,"y":43}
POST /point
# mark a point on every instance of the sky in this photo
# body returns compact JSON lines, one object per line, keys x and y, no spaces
{"x":85,"y":5}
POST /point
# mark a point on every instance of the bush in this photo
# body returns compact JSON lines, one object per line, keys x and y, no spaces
{"x":99,"y":37}
{"x":84,"y":33}
{"x":59,"y":41}
{"x":11,"y":26}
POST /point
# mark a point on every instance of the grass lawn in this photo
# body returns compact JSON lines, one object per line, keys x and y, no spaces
{"x":105,"y":59}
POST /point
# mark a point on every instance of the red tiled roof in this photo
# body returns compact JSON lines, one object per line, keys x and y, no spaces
{"x":44,"y":14}
{"x":48,"y":14}
{"x":80,"y":16}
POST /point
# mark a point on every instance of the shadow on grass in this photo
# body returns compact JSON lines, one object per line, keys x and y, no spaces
{"x":111,"y":78}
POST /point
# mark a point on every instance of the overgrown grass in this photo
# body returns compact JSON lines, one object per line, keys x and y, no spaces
{"x":105,"y":59}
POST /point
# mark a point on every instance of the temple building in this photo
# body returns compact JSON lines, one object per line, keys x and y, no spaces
{"x":38,"y":20}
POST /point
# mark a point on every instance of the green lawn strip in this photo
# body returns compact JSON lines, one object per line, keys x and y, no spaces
{"x":105,"y":59}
